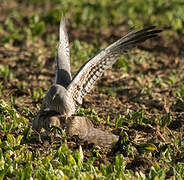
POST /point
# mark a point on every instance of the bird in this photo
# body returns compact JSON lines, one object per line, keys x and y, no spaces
{"x":66,"y":93}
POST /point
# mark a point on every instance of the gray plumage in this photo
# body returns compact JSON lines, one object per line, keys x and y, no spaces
{"x":65,"y":94}
{"x":63,"y":74}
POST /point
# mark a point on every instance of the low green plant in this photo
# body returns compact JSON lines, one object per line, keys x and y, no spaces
{"x":90,"y":113}
{"x":5,"y":72}
{"x":38,"y":94}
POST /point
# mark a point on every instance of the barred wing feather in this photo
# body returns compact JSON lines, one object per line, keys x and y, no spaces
{"x":94,"y":68}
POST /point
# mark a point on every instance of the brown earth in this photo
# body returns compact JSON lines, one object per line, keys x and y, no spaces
{"x":127,"y":89}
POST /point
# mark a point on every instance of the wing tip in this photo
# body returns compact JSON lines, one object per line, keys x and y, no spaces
{"x":150,"y":29}
{"x":62,"y":17}
{"x":62,"y":27}
{"x":62,"y":21}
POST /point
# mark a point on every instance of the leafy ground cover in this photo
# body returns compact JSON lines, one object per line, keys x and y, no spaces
{"x":141,"y":98}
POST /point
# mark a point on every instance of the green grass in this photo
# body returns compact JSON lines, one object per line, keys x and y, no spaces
{"x":141,"y":99}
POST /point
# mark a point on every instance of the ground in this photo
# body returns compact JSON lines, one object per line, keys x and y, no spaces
{"x":141,"y":98}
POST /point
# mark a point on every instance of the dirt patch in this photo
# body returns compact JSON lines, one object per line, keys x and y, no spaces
{"x":150,"y":85}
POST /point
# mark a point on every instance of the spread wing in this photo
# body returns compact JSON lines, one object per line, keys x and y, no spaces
{"x":63,"y":74}
{"x":94,"y":68}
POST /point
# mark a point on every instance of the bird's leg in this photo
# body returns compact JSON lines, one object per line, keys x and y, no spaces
{"x":64,"y":118}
